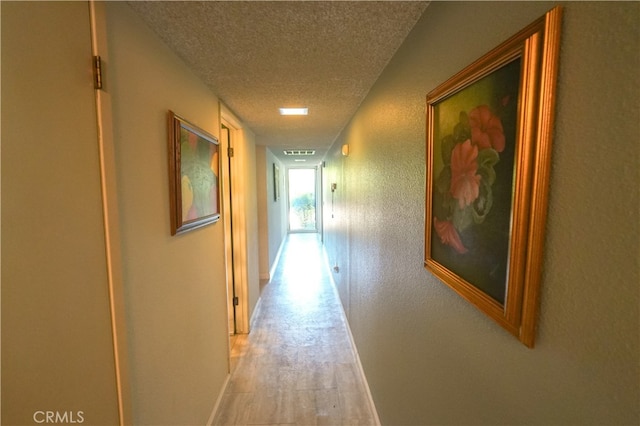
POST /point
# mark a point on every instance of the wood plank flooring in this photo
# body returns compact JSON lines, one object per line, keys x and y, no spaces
{"x":297,"y":366}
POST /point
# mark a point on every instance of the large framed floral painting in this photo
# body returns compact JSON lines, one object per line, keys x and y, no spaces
{"x":194,"y":176}
{"x":489,"y":130}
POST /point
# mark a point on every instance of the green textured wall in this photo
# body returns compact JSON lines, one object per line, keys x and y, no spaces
{"x":429,"y":356}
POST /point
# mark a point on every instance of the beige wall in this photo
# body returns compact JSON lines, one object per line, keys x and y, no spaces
{"x":57,"y":342}
{"x":432,"y":358}
{"x":251,"y":224}
{"x":175,"y":291}
{"x":57,"y":347}
{"x":263,"y":216}
{"x":272,"y":213}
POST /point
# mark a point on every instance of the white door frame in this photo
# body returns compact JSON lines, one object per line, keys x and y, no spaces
{"x":235,"y":237}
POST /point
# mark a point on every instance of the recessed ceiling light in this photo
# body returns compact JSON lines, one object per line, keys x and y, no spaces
{"x":294,"y":111}
{"x":299,"y":159}
{"x":299,"y":152}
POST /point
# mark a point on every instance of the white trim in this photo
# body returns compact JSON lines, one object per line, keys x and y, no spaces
{"x":354,"y":349}
{"x":109,"y":197}
{"x":236,"y":135}
{"x":255,"y":313}
{"x":216,"y":406}
{"x":272,"y":271}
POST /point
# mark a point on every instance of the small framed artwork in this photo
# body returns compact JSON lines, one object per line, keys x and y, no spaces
{"x":194,"y":176}
{"x":276,"y":182}
{"x":489,"y":130}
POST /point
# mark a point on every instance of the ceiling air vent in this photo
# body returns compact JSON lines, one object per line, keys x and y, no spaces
{"x":299,"y":152}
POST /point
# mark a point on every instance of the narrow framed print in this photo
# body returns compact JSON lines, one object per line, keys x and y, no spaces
{"x":489,"y":131}
{"x":194,"y":171}
{"x":276,"y":182}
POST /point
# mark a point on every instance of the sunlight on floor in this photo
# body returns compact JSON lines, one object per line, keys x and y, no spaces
{"x":297,"y":366}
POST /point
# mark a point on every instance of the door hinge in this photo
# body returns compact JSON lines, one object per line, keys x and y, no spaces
{"x":236,"y":302}
{"x":97,"y":72}
{"x":230,"y":152}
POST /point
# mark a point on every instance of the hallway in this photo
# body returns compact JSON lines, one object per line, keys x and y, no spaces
{"x":297,"y":365}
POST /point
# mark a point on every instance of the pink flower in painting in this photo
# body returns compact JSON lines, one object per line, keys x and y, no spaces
{"x":448,"y":235}
{"x":486,"y":129}
{"x":465,"y":183}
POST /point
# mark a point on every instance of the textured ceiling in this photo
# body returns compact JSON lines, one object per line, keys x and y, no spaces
{"x":258,"y":56}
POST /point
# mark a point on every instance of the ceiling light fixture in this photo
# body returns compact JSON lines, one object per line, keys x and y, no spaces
{"x":294,"y":111}
{"x":299,"y":152}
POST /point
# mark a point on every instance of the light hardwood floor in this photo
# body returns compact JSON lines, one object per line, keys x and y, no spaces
{"x":297,"y":366}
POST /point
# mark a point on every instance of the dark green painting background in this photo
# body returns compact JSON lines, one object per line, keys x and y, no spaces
{"x":486,"y":262}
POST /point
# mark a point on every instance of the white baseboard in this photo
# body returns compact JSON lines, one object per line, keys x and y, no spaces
{"x":266,"y":276}
{"x":216,"y":406}
{"x":272,"y":271}
{"x":376,"y":418}
{"x":255,"y":313}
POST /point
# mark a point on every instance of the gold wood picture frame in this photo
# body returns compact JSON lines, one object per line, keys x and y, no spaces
{"x":489,"y":134}
{"x":194,"y":176}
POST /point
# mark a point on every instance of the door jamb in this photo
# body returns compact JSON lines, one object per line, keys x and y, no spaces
{"x":234,"y":195}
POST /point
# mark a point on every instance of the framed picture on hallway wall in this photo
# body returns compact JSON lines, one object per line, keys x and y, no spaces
{"x":489,"y":131}
{"x":194,"y":176}
{"x":276,"y":182}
